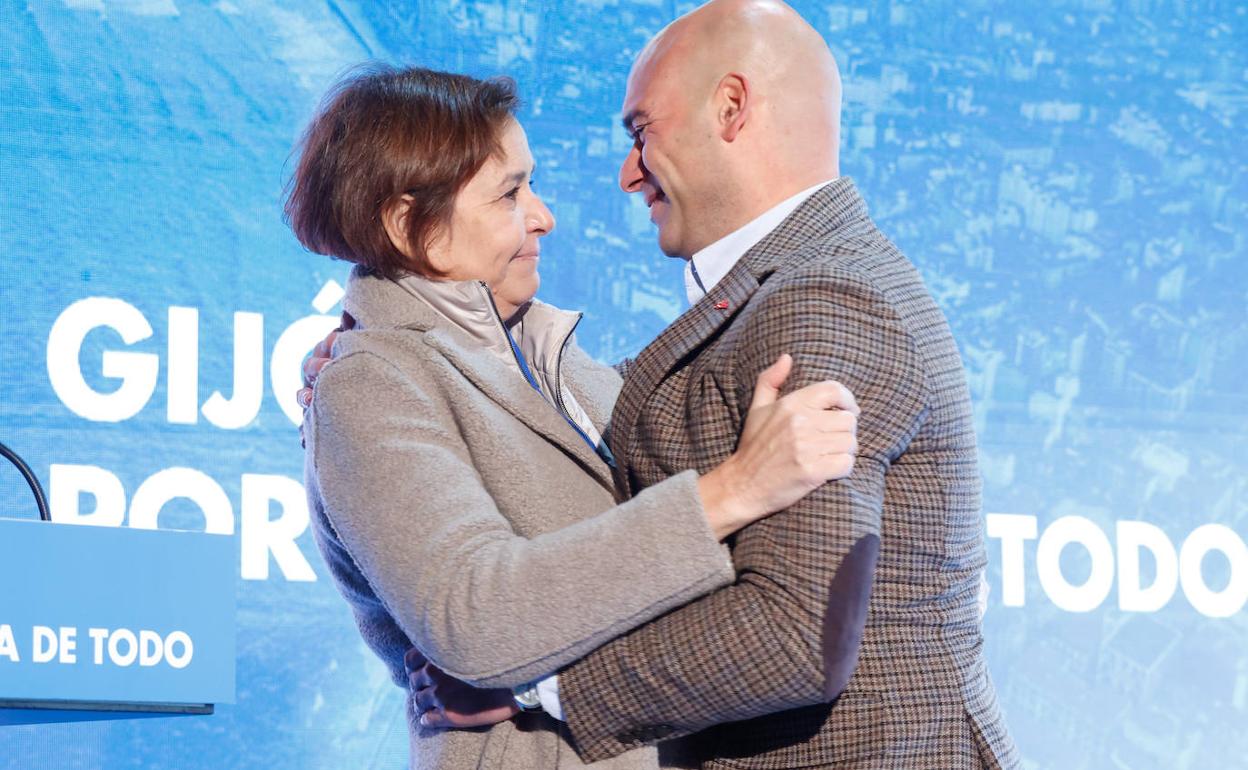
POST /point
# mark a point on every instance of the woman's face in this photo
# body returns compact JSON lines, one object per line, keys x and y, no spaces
{"x":495,"y":227}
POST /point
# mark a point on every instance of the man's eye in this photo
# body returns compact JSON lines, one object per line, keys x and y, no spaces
{"x":512,"y":193}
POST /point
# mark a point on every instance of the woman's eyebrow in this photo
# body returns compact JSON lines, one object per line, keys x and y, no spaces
{"x":516,"y":177}
{"x":513,"y":179}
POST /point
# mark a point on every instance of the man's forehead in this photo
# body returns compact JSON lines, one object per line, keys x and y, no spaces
{"x":640,"y":88}
{"x":632,"y":88}
{"x":654,"y":64}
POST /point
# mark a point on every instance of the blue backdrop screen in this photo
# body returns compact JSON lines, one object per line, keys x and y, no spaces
{"x":1070,"y":178}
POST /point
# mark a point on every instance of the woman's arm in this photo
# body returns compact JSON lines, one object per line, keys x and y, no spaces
{"x":485,"y":604}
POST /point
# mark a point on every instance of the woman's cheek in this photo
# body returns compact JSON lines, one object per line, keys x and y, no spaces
{"x":513,"y":248}
{"x":500,"y":276}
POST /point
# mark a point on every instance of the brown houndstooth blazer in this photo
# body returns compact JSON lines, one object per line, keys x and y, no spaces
{"x":851,"y":637}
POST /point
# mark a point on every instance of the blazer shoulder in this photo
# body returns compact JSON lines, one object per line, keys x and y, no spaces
{"x":817,"y":273}
{"x":860,"y":260}
{"x":858,"y":251}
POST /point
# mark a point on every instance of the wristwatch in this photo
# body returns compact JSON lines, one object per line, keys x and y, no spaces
{"x":526,"y":697}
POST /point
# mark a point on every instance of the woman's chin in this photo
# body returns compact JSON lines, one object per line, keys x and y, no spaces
{"x":518,"y":291}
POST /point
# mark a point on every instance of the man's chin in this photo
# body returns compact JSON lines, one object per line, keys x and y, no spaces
{"x":674,"y":250}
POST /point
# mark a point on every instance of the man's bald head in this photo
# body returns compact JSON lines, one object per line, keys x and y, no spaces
{"x":764,"y":40}
{"x":736,"y":106}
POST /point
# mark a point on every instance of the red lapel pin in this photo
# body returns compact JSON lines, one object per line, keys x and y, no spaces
{"x":721,"y":305}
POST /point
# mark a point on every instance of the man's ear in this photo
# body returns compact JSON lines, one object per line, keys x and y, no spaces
{"x":394,"y":219}
{"x":732,"y":105}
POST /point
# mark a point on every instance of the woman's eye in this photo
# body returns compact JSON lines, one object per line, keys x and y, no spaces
{"x":512,"y":193}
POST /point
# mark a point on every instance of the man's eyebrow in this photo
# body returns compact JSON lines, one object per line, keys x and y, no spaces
{"x":629,"y":119}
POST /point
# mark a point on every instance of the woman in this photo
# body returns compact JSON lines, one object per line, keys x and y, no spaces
{"x":460,"y":490}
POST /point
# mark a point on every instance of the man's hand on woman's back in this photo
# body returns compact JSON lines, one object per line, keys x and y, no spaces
{"x":315,"y":362}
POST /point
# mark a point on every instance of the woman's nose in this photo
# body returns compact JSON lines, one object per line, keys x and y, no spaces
{"x":540,"y":219}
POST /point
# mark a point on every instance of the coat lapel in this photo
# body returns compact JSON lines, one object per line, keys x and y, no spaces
{"x":511,"y":392}
{"x":379,"y":303}
{"x":596,"y":386}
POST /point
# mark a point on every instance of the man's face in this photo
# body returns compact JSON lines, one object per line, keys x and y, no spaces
{"x":662,"y":164}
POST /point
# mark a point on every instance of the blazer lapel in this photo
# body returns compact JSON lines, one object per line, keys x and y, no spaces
{"x":509,"y":390}
{"x":698,"y":324}
{"x":834,"y":206}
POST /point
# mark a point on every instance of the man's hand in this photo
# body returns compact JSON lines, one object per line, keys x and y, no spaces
{"x":316,"y":360}
{"x":444,"y":701}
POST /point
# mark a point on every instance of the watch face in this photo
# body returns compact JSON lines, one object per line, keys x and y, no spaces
{"x":527,"y":698}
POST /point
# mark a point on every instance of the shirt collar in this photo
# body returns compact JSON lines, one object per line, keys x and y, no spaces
{"x":710,"y":264}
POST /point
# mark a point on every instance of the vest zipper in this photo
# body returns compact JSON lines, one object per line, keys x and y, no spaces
{"x":560,"y":407}
{"x":502,"y":325}
{"x":559,"y":366}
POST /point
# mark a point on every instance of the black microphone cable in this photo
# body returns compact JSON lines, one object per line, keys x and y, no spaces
{"x":41,"y":500}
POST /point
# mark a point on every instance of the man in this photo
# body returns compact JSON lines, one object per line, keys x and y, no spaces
{"x":851,"y":637}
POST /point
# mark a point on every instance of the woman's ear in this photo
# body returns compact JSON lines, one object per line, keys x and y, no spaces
{"x":394,"y":219}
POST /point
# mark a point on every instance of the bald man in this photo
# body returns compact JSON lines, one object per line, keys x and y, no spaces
{"x":851,"y":637}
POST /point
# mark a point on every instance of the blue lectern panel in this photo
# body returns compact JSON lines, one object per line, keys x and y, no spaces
{"x":119,"y":615}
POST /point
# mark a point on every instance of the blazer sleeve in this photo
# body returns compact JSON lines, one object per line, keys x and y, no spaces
{"x":399,"y":492}
{"x":787,"y":633}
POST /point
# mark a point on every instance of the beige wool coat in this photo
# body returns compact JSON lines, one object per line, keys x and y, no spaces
{"x":459,"y":512}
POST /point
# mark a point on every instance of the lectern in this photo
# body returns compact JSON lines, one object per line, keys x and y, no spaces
{"x":113,"y":622}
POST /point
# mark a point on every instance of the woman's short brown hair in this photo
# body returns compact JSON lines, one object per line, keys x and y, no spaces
{"x":382,"y":132}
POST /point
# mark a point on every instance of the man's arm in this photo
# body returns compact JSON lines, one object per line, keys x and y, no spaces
{"x":621,"y":367}
{"x":787,"y":633}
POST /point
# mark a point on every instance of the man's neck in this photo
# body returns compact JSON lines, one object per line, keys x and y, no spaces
{"x":747,"y":210}
{"x":712,"y":262}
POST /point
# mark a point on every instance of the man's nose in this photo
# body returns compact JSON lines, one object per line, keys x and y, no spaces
{"x":631,"y":173}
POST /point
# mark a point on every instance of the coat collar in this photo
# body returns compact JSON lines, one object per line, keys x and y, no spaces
{"x":833,"y":207}
{"x":458,"y":319}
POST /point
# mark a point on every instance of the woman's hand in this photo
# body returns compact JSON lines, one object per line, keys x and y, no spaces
{"x":445,"y":702}
{"x":790,"y":446}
